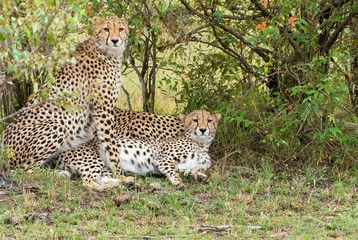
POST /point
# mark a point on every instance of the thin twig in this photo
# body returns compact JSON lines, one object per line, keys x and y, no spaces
{"x":163,"y":236}
{"x":128,"y":98}
{"x":42,"y":35}
{"x":27,"y":108}
{"x":236,"y":151}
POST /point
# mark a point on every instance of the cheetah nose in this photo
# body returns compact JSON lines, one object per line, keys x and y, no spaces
{"x":114,"y":41}
{"x":202,"y":130}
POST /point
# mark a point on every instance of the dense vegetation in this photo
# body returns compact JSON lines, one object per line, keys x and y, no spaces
{"x":283,"y":73}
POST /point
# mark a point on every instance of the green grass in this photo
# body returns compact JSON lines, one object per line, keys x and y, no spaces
{"x":255,"y":203}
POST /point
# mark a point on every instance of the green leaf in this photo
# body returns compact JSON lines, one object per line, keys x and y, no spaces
{"x":27,"y":31}
{"x":35,"y":27}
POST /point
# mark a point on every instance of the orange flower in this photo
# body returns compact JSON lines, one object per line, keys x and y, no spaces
{"x":265,"y":3}
{"x":291,"y":107}
{"x":292,"y":20}
{"x":230,"y":68}
{"x":262,"y":26}
{"x":286,"y":90}
{"x":87,"y":9}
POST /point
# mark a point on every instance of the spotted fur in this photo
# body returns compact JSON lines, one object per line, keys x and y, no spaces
{"x":163,"y":154}
{"x":85,"y":160}
{"x":90,"y":86}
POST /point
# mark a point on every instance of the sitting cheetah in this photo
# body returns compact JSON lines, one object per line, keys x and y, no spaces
{"x":90,"y":86}
{"x":187,"y":152}
{"x":86,"y":161}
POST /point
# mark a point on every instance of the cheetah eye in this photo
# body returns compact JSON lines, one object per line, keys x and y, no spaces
{"x":121,"y":29}
{"x":195,"y":120}
{"x":209,"y":121}
{"x":106,"y":29}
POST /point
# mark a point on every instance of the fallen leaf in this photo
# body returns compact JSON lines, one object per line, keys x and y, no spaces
{"x":153,"y":206}
{"x":155,"y":186}
{"x":44,"y":217}
{"x":122,"y":199}
{"x":14,"y":218}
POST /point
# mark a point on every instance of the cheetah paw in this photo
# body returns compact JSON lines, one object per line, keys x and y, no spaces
{"x":202,"y":177}
{"x":62,"y":173}
{"x":110,"y":181}
{"x":179,"y":185}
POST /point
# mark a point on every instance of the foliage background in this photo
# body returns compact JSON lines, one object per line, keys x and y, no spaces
{"x":283,"y":73}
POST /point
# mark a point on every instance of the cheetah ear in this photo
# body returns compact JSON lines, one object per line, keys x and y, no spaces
{"x":182,"y":116}
{"x":94,"y":20}
{"x":218,"y":116}
{"x":124,"y":20}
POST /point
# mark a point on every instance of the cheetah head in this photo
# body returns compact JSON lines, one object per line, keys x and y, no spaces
{"x":111,"y":35}
{"x":200,"y":125}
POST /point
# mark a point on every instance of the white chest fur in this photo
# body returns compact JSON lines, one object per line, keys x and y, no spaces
{"x":141,"y":158}
{"x":196,"y":161}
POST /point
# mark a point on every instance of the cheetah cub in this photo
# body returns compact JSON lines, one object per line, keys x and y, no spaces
{"x":188,"y":153}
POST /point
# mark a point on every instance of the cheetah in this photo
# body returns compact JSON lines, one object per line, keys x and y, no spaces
{"x":85,"y":160}
{"x":183,"y":146}
{"x":89,"y":90}
{"x":188,"y":153}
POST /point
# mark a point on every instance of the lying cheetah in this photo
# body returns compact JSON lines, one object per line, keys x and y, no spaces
{"x":86,"y":161}
{"x":187,"y":152}
{"x":90,"y":86}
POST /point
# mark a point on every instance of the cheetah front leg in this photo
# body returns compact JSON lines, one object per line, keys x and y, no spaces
{"x":108,"y":149}
{"x":166,"y":166}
